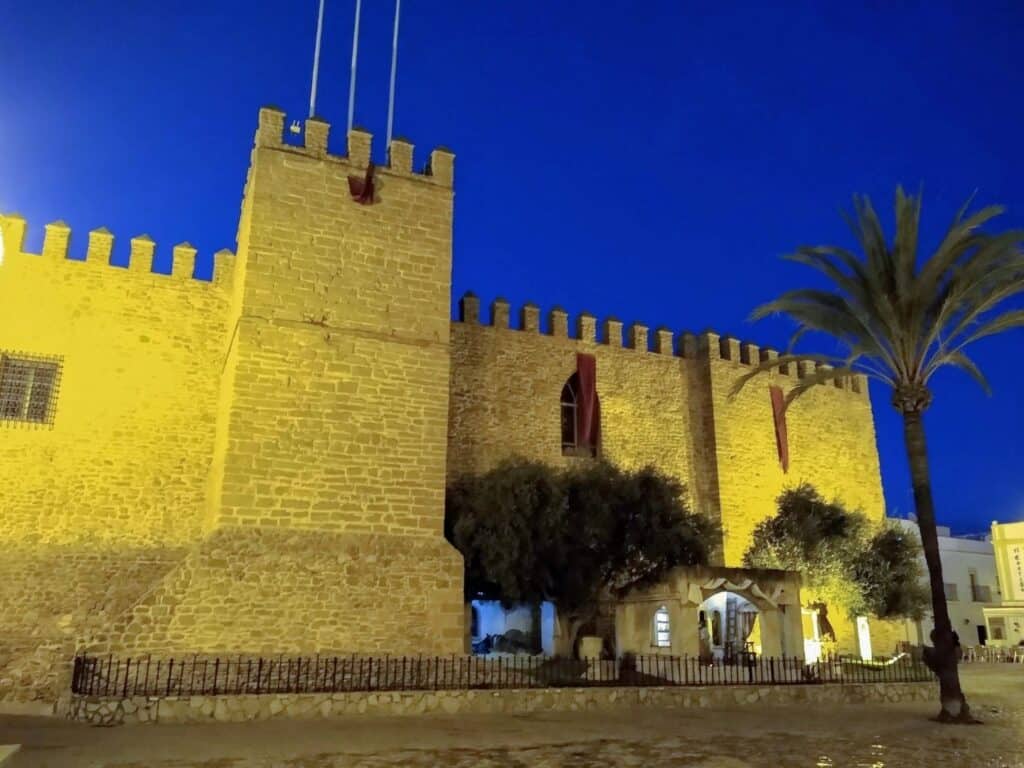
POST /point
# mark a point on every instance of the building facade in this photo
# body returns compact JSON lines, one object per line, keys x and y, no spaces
{"x":971,"y":585}
{"x":257,"y":463}
{"x":1005,"y":622}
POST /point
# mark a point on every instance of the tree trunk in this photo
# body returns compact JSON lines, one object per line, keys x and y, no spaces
{"x":568,"y":629}
{"x":943,"y":659}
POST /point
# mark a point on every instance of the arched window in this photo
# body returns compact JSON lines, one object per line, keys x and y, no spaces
{"x":569,"y":423}
{"x":570,"y":404}
{"x":662,"y":629}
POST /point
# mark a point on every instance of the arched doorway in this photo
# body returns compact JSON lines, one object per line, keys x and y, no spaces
{"x":728,"y":628}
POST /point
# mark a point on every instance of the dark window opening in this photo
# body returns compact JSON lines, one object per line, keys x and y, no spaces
{"x":570,"y":420}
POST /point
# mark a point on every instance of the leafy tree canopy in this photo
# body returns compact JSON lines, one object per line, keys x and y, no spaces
{"x":899,"y":317}
{"x":841,"y":556}
{"x":530,"y":533}
{"x":889,"y":573}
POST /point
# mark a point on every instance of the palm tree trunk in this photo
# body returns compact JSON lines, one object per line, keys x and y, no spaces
{"x":943,"y":659}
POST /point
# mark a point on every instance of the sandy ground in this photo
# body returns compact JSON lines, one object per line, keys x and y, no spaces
{"x":865,"y":736}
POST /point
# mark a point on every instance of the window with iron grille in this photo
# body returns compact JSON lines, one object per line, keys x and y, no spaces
{"x":28,"y":388}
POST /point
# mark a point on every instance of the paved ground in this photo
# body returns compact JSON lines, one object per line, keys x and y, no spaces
{"x":862,"y":736}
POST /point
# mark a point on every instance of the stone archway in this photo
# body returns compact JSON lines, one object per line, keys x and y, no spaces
{"x":729,"y":627}
{"x":765,"y":614}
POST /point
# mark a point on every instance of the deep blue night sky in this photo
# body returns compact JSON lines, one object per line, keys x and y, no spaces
{"x":648,"y":160}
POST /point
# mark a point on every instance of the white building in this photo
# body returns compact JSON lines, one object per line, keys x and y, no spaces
{"x":969,"y":573}
{"x":1006,"y":621}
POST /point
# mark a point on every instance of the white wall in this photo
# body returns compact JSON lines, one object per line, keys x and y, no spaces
{"x":959,"y":556}
{"x":493,"y":619}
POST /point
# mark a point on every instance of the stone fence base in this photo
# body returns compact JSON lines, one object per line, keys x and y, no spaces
{"x":196,"y":709}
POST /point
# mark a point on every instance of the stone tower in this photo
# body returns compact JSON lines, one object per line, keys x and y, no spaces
{"x":324,"y":522}
{"x":332,"y":430}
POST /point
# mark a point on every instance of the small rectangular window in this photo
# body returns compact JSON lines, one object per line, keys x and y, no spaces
{"x":950,"y":590}
{"x":28,"y":388}
{"x":998,"y":627}
{"x":662,"y":633}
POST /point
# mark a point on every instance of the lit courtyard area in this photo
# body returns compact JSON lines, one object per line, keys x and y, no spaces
{"x":870,"y":736}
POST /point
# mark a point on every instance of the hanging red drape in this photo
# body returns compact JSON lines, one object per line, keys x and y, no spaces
{"x":779,"y":413}
{"x":588,"y":410}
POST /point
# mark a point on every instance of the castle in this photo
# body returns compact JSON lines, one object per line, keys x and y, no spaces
{"x":257,"y":463}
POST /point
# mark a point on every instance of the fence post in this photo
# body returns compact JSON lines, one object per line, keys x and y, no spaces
{"x":170,"y":668}
{"x":127,"y":671}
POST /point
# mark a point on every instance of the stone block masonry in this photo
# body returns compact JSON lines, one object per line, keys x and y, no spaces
{"x":666,"y":400}
{"x":199,"y":709}
{"x":257,"y":464}
{"x":671,"y":407}
{"x":252,"y":464}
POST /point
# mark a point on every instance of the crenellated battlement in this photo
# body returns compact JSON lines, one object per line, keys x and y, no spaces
{"x":100,"y":248}
{"x":313,"y":142}
{"x":664,"y":341}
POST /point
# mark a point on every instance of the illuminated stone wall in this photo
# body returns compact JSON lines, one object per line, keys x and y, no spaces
{"x":258,"y":463}
{"x":248,"y":464}
{"x":96,"y":507}
{"x":665,"y":400}
{"x":126,"y":459}
{"x":332,"y":429}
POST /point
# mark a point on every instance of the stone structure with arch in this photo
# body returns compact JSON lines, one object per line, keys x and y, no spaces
{"x":640,"y":626}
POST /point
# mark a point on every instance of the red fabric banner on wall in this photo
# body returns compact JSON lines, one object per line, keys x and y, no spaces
{"x":779,"y":413}
{"x":588,"y":410}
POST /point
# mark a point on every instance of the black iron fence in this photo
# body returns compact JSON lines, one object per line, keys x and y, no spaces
{"x":205,"y":676}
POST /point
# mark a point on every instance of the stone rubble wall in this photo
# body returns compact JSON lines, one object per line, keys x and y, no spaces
{"x":196,"y":709}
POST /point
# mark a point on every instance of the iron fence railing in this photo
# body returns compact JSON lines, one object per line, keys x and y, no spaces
{"x":211,"y":676}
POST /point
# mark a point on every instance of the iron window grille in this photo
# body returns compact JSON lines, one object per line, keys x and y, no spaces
{"x":28,"y":388}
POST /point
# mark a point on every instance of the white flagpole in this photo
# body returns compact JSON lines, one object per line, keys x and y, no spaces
{"x":316,"y":59}
{"x":352,"y":82}
{"x":394,"y":66}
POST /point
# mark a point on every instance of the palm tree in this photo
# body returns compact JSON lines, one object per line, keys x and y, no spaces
{"x":899,"y":320}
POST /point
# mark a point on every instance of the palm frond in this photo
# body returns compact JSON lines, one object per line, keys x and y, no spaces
{"x":818,"y":376}
{"x":1013,"y":318}
{"x":965,"y":364}
{"x":901,"y":321}
{"x":768,"y":365}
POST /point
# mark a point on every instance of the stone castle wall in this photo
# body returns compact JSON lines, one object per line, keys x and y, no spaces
{"x":126,"y":461}
{"x":506,"y":386}
{"x":258,"y":463}
{"x":97,"y":507}
{"x":666,"y":400}
{"x":250,"y":464}
{"x":338,"y":404}
{"x":668,"y":403}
